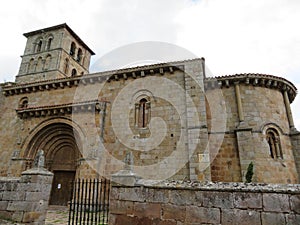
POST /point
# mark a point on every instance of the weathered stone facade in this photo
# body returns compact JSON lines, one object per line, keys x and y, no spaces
{"x":176,"y":203}
{"x":176,"y":121}
{"x":25,"y":199}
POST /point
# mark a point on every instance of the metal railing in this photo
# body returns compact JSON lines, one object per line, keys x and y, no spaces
{"x":89,"y":204}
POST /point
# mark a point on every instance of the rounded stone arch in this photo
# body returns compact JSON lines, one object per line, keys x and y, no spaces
{"x":38,"y":44}
{"x":274,"y":126}
{"x":49,"y":39}
{"x":52,"y":136}
{"x":140,"y":94}
{"x":272,"y":140}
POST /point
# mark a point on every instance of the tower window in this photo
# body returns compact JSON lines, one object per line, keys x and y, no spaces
{"x":39,"y":46}
{"x":47,"y":62}
{"x":274,"y":144}
{"x":74,"y":72}
{"x":31,"y":66}
{"x":142,"y":109}
{"x":73,"y":48}
{"x":39,"y":65}
{"x":79,"y":55}
{"x":49,"y":43}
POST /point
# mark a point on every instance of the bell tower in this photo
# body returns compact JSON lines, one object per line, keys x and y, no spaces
{"x":53,"y":52}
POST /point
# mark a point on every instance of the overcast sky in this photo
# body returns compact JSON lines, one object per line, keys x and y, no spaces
{"x":234,"y":36}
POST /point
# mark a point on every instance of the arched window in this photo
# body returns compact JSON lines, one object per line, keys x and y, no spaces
{"x":39,"y":45}
{"x":274,"y":143}
{"x":72,"y":49}
{"x":142,"y":113}
{"x":79,"y":55}
{"x":47,"y":62}
{"x":23,"y":103}
{"x":49,"y":43}
{"x":31,"y":66}
{"x":74,"y":72}
{"x":39,"y":65}
{"x":66,"y":66}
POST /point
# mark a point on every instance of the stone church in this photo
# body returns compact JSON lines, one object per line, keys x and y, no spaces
{"x":162,"y":121}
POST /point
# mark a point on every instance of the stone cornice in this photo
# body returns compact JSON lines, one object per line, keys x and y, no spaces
{"x":11,"y":88}
{"x":61,"y":109}
{"x":261,"y":80}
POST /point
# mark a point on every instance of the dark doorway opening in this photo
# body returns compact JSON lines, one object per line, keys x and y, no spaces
{"x":62,"y":187}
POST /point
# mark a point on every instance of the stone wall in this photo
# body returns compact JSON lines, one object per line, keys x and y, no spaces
{"x":244,"y":138}
{"x":295,"y":136}
{"x":25,"y":199}
{"x":177,"y":203}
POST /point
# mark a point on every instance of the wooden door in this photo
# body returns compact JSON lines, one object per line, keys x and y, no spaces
{"x":61,"y":187}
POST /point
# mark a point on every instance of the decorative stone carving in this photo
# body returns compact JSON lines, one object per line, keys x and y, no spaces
{"x":39,"y":161}
{"x":128,"y":160}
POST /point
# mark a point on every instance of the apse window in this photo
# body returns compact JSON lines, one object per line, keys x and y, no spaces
{"x":142,"y":112}
{"x":274,"y":144}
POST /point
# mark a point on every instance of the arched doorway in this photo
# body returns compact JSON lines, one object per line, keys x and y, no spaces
{"x":62,"y":152}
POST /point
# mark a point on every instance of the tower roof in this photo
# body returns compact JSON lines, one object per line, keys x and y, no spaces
{"x":64,"y":25}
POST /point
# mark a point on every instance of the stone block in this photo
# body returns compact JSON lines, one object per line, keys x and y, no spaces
{"x":3,"y":205}
{"x":124,"y":220}
{"x":276,"y":202}
{"x":173,"y":212}
{"x":218,"y":199}
{"x":14,"y":195}
{"x":121,"y":207}
{"x":32,"y":217}
{"x":34,"y":196}
{"x":240,"y":217}
{"x":272,"y":218}
{"x":33,"y":187}
{"x":181,"y":197}
{"x":200,"y":215}
{"x":158,"y":195}
{"x":247,"y":200}
{"x":11,"y":186}
{"x":19,"y":206}
{"x":150,"y":210}
{"x":125,"y":177}
{"x":292,"y":219}
{"x":135,"y":194}
{"x":5,"y":214}
{"x":17,"y":216}
{"x":295,"y":203}
{"x":39,"y":206}
{"x":114,"y":193}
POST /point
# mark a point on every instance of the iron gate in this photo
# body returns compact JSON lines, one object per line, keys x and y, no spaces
{"x":89,"y":202}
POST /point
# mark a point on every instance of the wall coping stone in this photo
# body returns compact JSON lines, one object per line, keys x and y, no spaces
{"x":220,"y":186}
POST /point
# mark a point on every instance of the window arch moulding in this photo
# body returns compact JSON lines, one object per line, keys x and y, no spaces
{"x":272,"y":134}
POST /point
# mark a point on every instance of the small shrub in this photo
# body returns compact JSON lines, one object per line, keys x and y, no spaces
{"x":249,"y":173}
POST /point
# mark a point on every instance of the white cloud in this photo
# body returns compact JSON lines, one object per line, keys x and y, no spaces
{"x":243,"y":36}
{"x":234,"y":36}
